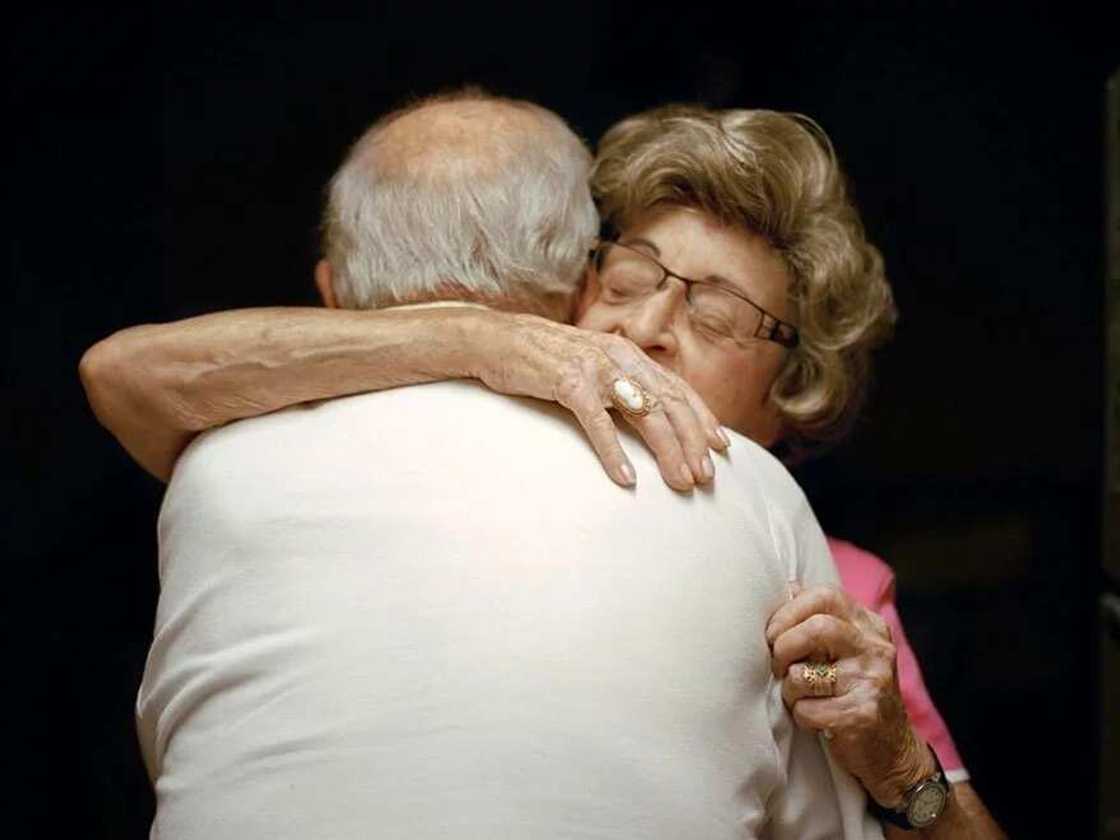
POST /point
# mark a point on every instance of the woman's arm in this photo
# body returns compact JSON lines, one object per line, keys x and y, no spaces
{"x":966,"y":818}
{"x":156,"y":386}
{"x":872,"y":735}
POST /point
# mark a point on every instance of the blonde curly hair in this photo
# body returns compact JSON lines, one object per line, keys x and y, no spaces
{"x":776,"y":175}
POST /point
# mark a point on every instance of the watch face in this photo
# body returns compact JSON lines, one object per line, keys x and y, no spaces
{"x":926,"y":804}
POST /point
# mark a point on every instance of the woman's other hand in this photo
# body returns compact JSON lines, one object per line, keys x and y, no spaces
{"x":532,"y":356}
{"x":864,"y":716}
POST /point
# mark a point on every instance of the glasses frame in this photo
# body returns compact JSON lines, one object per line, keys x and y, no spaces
{"x":770,"y":327}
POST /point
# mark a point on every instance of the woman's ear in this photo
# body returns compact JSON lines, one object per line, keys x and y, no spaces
{"x":324,"y":282}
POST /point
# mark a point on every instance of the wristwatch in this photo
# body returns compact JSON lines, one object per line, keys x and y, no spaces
{"x":921,"y":805}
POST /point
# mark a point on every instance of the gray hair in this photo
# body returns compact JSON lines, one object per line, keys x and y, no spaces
{"x":501,"y":216}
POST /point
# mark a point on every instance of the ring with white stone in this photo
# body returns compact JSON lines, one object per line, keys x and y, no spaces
{"x":631,"y":398}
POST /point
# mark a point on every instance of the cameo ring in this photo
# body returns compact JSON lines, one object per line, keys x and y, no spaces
{"x":820,"y":677}
{"x":631,"y":398}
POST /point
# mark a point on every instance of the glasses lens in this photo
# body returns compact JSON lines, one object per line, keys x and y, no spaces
{"x":625,"y":274}
{"x":722,"y":314}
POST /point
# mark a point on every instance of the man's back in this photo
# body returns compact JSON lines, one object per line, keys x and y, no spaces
{"x":426,"y":613}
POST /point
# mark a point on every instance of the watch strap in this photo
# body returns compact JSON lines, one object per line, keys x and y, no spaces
{"x":900,"y":816}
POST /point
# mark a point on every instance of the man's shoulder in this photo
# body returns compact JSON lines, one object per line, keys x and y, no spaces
{"x":756,"y":467}
{"x":448,"y":406}
{"x":460,"y":427}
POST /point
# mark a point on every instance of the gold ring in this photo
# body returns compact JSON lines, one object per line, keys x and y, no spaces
{"x":631,"y":398}
{"x":820,"y":677}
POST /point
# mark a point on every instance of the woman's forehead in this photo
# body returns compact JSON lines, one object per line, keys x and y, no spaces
{"x":697,"y":245}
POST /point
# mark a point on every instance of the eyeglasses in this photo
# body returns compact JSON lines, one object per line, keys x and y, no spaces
{"x":627,"y":275}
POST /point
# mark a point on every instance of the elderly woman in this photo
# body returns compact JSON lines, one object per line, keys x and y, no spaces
{"x":735,"y":287}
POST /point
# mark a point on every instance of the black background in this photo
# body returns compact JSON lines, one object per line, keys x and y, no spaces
{"x":169,"y":161}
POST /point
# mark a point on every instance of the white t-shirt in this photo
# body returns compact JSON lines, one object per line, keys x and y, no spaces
{"x":428,"y":613}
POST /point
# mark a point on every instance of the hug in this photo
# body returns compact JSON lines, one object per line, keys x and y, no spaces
{"x":423,"y":611}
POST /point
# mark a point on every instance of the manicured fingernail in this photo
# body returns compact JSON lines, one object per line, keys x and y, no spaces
{"x":686,"y":475}
{"x":626,"y":472}
{"x":723,"y":436}
{"x":706,"y":468}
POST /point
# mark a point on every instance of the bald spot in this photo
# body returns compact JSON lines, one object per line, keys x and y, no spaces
{"x":446,"y":137}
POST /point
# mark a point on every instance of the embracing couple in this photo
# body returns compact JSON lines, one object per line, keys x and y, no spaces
{"x":423,"y":612}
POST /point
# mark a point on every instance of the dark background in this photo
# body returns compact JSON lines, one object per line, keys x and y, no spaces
{"x":169,"y":161}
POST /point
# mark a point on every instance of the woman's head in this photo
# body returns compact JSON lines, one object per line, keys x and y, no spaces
{"x":756,"y":198}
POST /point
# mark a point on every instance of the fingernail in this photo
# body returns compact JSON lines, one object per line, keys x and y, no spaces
{"x":627,"y":473}
{"x":792,"y":589}
{"x":686,"y":475}
{"x":723,"y":436}
{"x":706,"y":468}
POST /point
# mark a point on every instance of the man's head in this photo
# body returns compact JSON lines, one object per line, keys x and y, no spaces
{"x":460,"y":197}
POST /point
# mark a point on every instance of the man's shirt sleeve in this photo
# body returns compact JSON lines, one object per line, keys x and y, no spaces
{"x":819,"y":798}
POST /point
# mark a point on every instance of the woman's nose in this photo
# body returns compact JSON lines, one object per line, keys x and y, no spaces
{"x":652,"y":322}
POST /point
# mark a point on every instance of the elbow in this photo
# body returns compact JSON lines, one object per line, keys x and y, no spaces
{"x":118,"y":381}
{"x":131,"y":380}
{"x":99,"y":371}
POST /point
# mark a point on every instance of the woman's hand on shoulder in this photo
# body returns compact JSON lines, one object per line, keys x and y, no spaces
{"x":532,"y":356}
{"x":862,"y":712}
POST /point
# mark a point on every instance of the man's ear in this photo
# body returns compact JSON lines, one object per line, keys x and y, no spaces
{"x":324,"y":282}
{"x":588,"y":293}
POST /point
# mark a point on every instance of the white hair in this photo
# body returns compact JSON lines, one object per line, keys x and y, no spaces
{"x":504,"y":218}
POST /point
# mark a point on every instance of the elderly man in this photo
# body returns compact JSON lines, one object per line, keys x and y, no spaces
{"x":372,"y":623}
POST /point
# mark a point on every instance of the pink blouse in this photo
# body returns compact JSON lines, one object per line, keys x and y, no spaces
{"x":871,"y":582}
